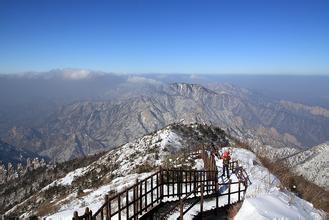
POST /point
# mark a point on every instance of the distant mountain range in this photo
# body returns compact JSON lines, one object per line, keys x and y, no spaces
{"x":86,"y":127}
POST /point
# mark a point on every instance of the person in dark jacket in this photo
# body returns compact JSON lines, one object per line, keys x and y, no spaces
{"x":226,"y":160}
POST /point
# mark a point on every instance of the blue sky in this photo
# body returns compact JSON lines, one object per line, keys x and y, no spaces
{"x":138,"y":36}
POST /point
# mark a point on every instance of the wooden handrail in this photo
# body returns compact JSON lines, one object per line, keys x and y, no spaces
{"x":150,"y":191}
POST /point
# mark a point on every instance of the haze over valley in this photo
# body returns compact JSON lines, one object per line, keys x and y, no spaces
{"x":85,"y":112}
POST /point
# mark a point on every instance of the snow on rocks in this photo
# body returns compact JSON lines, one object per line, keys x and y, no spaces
{"x":313,"y":164}
{"x":169,"y":138}
{"x":68,"y":179}
{"x":150,"y":149}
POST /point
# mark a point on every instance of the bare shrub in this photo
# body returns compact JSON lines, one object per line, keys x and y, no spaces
{"x":144,"y":168}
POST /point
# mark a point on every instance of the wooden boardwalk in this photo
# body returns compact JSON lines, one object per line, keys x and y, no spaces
{"x":170,"y":190}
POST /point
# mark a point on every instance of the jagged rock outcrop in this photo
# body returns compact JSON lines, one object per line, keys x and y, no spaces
{"x":9,"y":172}
{"x":12,"y":154}
{"x":22,"y":182}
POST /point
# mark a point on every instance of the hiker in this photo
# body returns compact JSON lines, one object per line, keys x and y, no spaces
{"x":226,"y":160}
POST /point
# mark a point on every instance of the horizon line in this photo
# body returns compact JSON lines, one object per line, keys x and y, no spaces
{"x":94,"y":71}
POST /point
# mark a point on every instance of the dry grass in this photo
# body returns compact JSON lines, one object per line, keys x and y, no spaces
{"x":241,"y":144}
{"x":234,"y":209}
{"x":51,"y":207}
{"x":47,"y":208}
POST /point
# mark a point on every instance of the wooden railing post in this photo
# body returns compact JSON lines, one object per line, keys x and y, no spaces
{"x":201,"y":200}
{"x":87,"y":213}
{"x":239,"y":191}
{"x":179,"y":183}
{"x":195,"y":179}
{"x":145,"y":187}
{"x":109,"y":205}
{"x":161,"y":183}
{"x":140,"y":197}
{"x":127,"y":203}
{"x":229,"y":192}
{"x":181,"y":213}
{"x":185,"y":172}
{"x":135,"y":199}
{"x":119,"y":207}
{"x":106,"y":198}
{"x":216,"y":189}
{"x":75,"y":215}
{"x":152,"y":191}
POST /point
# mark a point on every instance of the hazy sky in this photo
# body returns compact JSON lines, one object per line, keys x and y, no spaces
{"x":167,"y":36}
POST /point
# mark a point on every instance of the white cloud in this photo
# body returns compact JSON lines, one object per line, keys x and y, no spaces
{"x":140,"y":79}
{"x":76,"y":74}
{"x":196,"y":77}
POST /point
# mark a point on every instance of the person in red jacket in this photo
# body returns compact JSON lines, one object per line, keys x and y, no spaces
{"x":226,"y":160}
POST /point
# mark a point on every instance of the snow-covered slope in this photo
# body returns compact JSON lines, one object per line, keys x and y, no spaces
{"x":266,"y":198}
{"x":171,"y":146}
{"x":313,"y":164}
{"x":120,"y":167}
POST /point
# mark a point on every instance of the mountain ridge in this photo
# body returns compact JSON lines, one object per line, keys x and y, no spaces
{"x":88,"y":127}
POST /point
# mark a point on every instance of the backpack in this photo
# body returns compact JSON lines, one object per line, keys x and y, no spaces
{"x":226,"y":157}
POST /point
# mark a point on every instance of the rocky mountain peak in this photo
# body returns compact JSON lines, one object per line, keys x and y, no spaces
{"x":190,"y":90}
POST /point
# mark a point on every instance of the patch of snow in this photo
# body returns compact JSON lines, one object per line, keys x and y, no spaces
{"x":68,"y":179}
{"x":199,"y":165}
{"x":277,"y":205}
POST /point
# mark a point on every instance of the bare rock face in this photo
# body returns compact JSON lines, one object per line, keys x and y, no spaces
{"x":83,"y":128}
